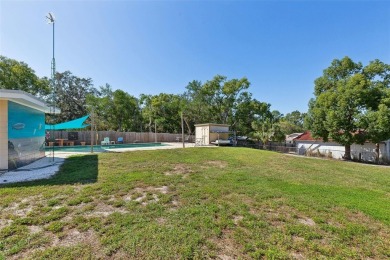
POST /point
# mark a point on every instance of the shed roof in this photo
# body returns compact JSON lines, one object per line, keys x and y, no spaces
{"x":25,"y":99}
{"x":211,"y":124}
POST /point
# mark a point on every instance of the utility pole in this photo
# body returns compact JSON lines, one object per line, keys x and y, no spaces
{"x":51,"y":20}
{"x":92,"y":133}
{"x":155,"y":132}
{"x":182,"y":130}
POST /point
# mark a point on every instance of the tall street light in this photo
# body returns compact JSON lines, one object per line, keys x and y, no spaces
{"x":50,"y":20}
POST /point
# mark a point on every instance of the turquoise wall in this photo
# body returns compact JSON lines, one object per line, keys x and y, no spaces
{"x":24,"y":122}
{"x":26,"y":135}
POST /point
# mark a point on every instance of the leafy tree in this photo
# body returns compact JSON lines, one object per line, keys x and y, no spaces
{"x":19,"y":76}
{"x":218,"y":100}
{"x":345,"y":95}
{"x":164,"y":110}
{"x":377,"y":125}
{"x":124,"y":112}
{"x":195,"y":105}
{"x":266,"y":124}
{"x":115,"y":110}
{"x":376,"y":120}
{"x":293,"y":122}
{"x":71,"y":95}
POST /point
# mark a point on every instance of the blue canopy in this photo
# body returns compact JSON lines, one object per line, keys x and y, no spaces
{"x":73,"y":124}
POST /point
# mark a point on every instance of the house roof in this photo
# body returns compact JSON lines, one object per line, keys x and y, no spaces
{"x":293,"y":136}
{"x":25,"y":99}
{"x":306,"y":136}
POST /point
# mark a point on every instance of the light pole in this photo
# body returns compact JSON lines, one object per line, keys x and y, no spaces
{"x":50,"y":20}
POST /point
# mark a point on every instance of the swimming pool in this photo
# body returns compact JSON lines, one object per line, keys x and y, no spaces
{"x":99,"y":148}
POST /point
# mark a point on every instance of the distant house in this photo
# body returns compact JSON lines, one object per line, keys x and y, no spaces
{"x":291,"y":137}
{"x":206,"y":134}
{"x":306,"y":144}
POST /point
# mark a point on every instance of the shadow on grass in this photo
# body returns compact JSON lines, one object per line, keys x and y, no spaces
{"x":80,"y":169}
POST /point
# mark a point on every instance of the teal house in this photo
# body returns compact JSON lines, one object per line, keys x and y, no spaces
{"x":22,"y":128}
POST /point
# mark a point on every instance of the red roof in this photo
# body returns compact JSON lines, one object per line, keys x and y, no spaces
{"x":306,"y":136}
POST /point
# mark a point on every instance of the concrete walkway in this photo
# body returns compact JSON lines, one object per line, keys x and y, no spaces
{"x":45,"y":168}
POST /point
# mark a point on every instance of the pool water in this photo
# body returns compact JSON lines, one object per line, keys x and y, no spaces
{"x":99,"y":148}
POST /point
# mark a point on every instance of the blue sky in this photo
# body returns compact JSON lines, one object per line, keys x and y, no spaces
{"x":152,"y":47}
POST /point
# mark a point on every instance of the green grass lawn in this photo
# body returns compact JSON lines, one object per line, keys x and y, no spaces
{"x":223,"y":203}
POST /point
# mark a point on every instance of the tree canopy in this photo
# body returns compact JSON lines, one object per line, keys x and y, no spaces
{"x":19,"y":76}
{"x":218,"y":100}
{"x":349,"y":100}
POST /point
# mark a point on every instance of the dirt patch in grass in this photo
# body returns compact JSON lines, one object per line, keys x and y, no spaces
{"x":5,"y":223}
{"x":146,"y":195}
{"x":307,"y":221}
{"x":297,"y":255}
{"x":22,"y":208}
{"x":104,"y":210}
{"x":34,"y":229}
{"x":226,"y":247}
{"x":180,"y":169}
{"x":237,"y":219}
{"x":74,"y":237}
{"x":217,"y":164}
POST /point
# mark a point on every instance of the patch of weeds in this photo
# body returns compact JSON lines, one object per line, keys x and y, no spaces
{"x":26,"y":221}
{"x":117,"y":203}
{"x":55,"y":226}
{"x":303,"y":231}
{"x":89,"y":207}
{"x":53,"y":202}
{"x":56,"y":214}
{"x":79,"y":200}
{"x":23,"y":205}
{"x":351,"y":231}
{"x":81,"y":223}
{"x":270,"y":253}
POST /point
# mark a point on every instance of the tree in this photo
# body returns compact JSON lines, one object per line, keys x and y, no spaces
{"x":71,"y":95}
{"x":265,"y":124}
{"x":115,"y":110}
{"x":376,"y":120}
{"x":377,"y":125}
{"x":344,"y":95}
{"x":124,"y":112}
{"x":19,"y":76}
{"x":164,"y":110}
{"x":293,"y":122}
{"x":218,"y":100}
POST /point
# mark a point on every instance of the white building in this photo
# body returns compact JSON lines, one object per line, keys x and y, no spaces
{"x":206,"y":134}
{"x":307,"y":145}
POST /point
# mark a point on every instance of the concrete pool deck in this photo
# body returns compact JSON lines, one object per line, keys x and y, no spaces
{"x":46,"y":168}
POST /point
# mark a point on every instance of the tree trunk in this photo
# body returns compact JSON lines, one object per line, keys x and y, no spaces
{"x":377,"y":153}
{"x":347,"y":155}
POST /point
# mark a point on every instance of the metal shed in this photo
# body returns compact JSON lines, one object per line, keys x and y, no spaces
{"x":206,"y":134}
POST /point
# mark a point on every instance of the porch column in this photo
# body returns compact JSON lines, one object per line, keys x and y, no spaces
{"x":3,"y":134}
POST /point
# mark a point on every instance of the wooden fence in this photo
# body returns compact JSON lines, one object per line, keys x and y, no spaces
{"x":128,"y":137}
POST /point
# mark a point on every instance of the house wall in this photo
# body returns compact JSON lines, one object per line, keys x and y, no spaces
{"x":367,"y":151}
{"x":328,"y":149}
{"x":3,"y":134}
{"x":26,"y":135}
{"x":337,"y":151}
